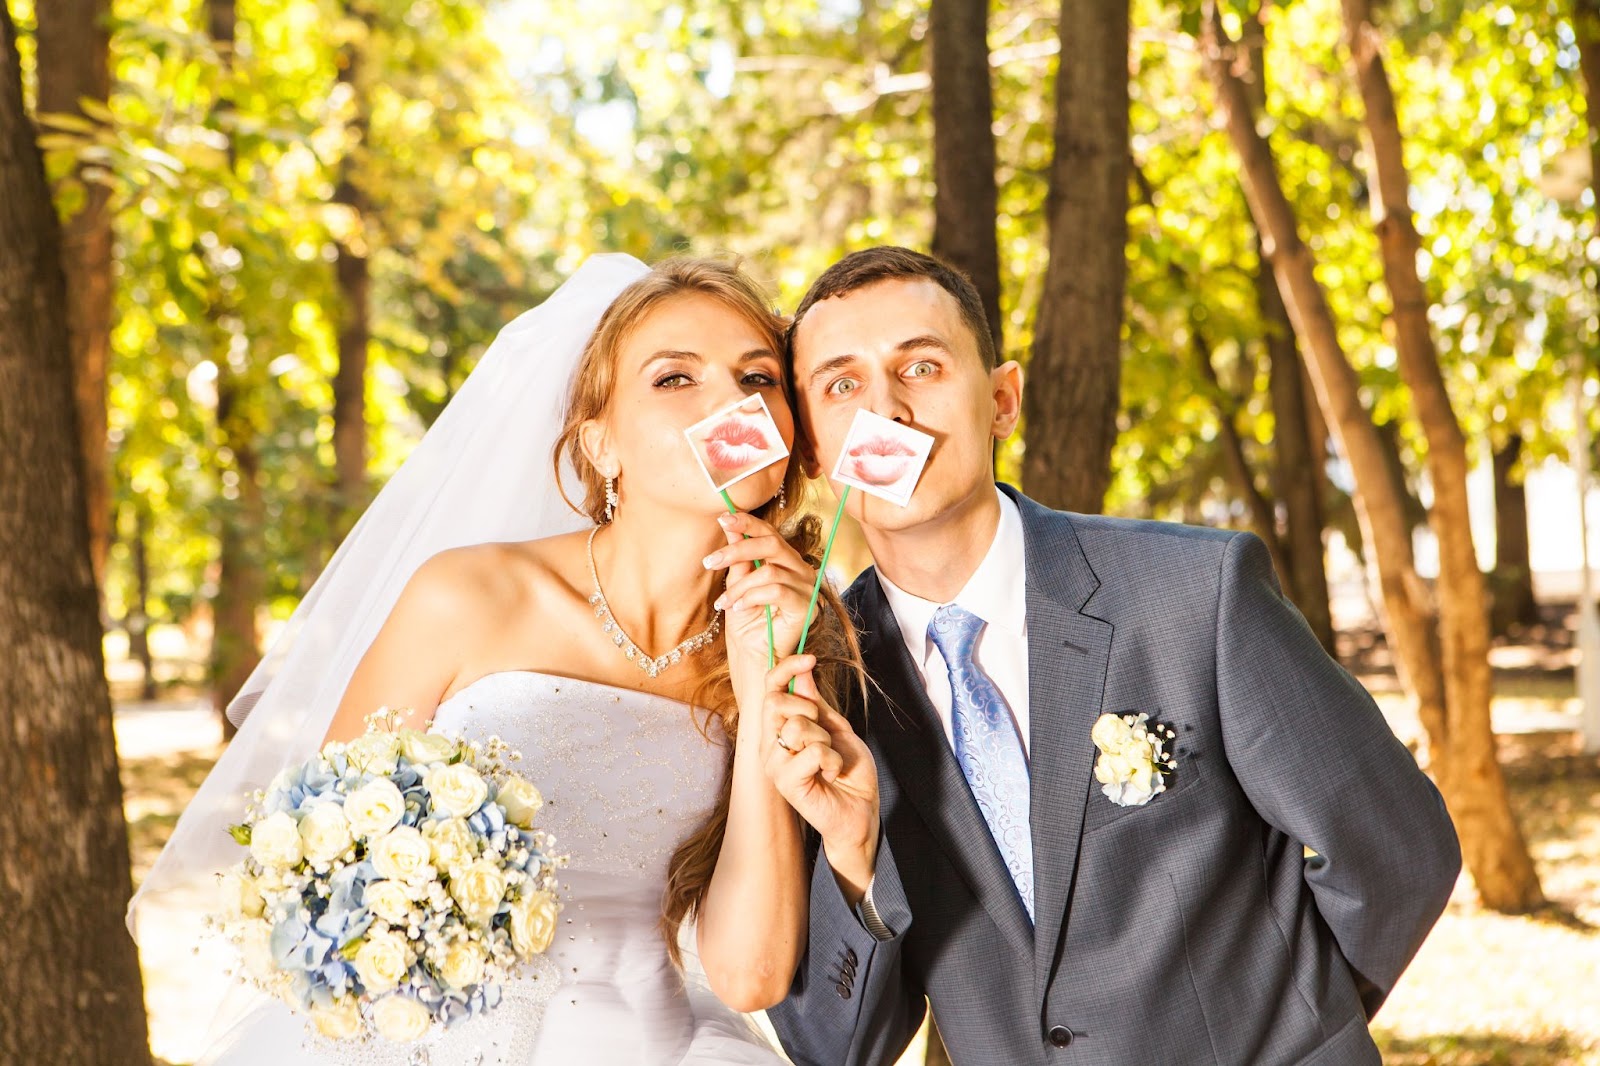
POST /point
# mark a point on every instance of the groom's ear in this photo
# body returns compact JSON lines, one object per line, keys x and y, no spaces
{"x":594,"y":437}
{"x":1005,"y":385}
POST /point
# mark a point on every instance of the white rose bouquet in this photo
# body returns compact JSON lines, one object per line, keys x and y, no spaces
{"x":392,"y":883}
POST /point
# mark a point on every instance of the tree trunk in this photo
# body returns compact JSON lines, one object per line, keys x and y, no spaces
{"x":1070,"y":405}
{"x":1298,"y":477}
{"x":1586,"y":25}
{"x":965,"y":199}
{"x":241,"y":582}
{"x":71,"y":974}
{"x":1262,"y":519}
{"x":1299,"y":464}
{"x":1490,"y":839}
{"x":1380,"y":505}
{"x":1502,"y":866}
{"x":1223,"y":403}
{"x":354,"y":280}
{"x":235,"y":644}
{"x":138,"y":619}
{"x":74,"y":46}
{"x":1512,"y":580}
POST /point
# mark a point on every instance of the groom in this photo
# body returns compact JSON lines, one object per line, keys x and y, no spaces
{"x":1257,"y":909}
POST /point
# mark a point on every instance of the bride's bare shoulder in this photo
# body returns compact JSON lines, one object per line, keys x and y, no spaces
{"x":501,"y":575}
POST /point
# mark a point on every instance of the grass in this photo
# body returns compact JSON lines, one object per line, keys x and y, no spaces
{"x":1515,"y":990}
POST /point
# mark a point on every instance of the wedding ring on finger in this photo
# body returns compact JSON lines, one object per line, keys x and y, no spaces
{"x":783,"y":743}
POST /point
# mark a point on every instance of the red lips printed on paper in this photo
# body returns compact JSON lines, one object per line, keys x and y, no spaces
{"x":737,"y":441}
{"x":882,"y":457}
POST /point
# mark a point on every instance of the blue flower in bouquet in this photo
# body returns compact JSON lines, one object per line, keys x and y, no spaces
{"x":298,"y":946}
{"x":347,"y":889}
{"x":342,"y":923}
{"x":292,"y":789}
{"x":490,"y":823}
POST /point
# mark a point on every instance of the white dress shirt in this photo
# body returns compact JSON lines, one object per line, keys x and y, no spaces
{"x":996,"y":592}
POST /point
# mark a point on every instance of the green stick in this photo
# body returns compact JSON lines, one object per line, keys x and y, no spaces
{"x":771,"y":660}
{"x":822,"y":575}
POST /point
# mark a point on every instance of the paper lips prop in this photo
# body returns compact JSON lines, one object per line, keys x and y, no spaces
{"x":882,"y":457}
{"x":736,"y":442}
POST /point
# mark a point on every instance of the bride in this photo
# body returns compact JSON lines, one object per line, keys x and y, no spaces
{"x":475,"y":597}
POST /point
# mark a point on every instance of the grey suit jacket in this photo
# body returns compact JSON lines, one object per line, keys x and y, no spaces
{"x":1196,"y":929}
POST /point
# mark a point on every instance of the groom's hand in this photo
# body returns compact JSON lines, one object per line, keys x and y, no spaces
{"x":825,"y":772}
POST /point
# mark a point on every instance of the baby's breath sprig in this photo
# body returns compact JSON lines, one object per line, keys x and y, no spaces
{"x":386,"y":720}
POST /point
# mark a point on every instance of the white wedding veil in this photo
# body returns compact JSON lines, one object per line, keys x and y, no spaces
{"x":484,"y":472}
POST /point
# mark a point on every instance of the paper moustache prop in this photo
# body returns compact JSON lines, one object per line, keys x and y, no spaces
{"x":737,"y":441}
{"x":883,"y":458}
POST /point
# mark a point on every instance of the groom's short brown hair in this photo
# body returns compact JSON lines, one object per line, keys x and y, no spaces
{"x":885,"y":262}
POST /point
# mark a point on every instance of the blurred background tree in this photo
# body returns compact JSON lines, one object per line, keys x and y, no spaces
{"x":74,"y":992}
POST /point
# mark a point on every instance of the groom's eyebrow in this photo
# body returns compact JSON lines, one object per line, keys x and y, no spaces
{"x":829,"y":366}
{"x":927,"y":340}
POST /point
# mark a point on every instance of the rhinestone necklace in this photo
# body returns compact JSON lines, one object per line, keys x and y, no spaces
{"x":630,"y":650}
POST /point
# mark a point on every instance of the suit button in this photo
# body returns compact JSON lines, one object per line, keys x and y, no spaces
{"x":850,"y":956}
{"x":1059,"y":1035}
{"x":843,"y":990}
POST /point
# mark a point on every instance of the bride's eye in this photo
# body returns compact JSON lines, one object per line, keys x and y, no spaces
{"x":676,"y":380}
{"x":760,"y":379}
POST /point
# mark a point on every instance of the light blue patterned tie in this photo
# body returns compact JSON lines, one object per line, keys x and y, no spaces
{"x":987,"y":747}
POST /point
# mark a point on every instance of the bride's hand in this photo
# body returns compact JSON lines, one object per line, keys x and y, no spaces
{"x":817,"y":762}
{"x":783,"y":582}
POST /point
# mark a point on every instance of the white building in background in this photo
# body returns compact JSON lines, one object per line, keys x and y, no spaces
{"x":1554,"y":546}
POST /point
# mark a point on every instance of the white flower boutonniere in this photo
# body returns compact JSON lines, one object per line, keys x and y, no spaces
{"x":1133,"y":762}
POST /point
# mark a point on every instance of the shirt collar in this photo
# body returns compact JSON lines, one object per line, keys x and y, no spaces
{"x":995,"y":592}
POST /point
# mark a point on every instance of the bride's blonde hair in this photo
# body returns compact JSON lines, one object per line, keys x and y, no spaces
{"x":832,"y":639}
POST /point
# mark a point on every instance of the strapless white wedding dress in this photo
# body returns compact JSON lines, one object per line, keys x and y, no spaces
{"x":626,"y":776}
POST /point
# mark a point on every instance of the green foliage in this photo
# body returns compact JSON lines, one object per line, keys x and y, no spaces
{"x":223,"y":178}
{"x":504,"y":142}
{"x":1488,"y":97}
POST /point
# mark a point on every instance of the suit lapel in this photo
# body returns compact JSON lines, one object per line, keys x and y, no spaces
{"x":913,"y":743}
{"x":1068,"y":654}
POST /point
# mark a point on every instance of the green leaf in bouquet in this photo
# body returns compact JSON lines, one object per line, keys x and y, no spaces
{"x":240,"y":833}
{"x":351,"y":948}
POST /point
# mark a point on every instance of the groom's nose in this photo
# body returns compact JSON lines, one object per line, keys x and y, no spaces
{"x":892,"y":404}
